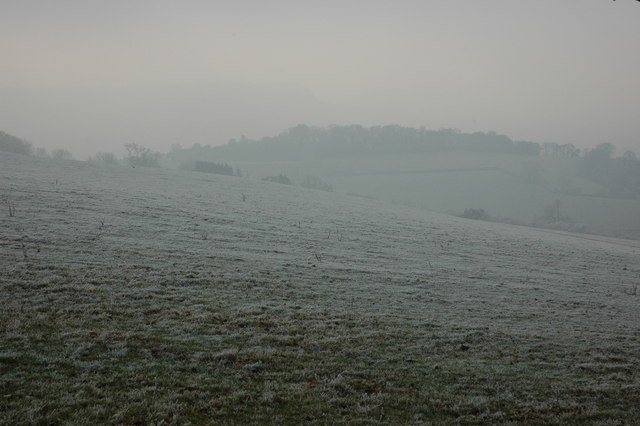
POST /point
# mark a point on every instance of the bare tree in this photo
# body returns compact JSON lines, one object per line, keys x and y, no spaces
{"x":138,"y":155}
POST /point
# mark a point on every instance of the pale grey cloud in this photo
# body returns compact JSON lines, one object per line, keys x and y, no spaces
{"x":81,"y":74}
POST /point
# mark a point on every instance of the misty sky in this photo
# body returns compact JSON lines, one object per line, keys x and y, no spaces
{"x":90,"y":76}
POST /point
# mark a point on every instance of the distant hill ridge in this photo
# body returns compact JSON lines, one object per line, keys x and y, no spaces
{"x":304,"y":141}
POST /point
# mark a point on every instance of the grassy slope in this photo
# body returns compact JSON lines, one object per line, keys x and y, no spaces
{"x":500,"y":194}
{"x":139,"y":295}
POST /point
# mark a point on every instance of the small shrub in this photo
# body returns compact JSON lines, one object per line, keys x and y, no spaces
{"x":553,"y":218}
{"x":61,"y":154}
{"x":314,"y":182}
{"x":41,"y":152}
{"x":106,"y":157}
{"x":216,"y":168}
{"x":476,"y":214}
{"x":278,"y":179}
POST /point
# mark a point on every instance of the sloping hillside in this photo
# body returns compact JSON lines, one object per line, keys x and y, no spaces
{"x":453,"y":182}
{"x":449,"y":171}
{"x":133,"y":295}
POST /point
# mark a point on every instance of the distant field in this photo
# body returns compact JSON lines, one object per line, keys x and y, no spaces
{"x":150,"y":296}
{"x":453,"y":182}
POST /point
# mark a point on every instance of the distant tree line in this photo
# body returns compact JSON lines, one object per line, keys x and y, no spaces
{"x":303,"y":141}
{"x":619,"y":176}
{"x":16,"y":145}
{"x":217,"y":168}
{"x":10,"y":143}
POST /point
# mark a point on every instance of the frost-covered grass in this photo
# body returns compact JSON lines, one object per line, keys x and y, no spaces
{"x":157,"y":296}
{"x":455,"y":181}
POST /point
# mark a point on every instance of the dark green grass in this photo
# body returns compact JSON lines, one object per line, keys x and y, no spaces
{"x":87,"y":354}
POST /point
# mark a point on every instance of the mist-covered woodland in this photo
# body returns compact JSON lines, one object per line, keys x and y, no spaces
{"x":485,"y":176}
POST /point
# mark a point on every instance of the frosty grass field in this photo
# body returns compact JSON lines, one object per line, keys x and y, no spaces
{"x":148,"y":296}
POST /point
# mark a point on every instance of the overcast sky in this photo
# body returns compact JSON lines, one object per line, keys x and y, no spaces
{"x":90,"y":75}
